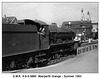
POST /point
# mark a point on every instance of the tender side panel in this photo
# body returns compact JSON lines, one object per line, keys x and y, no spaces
{"x":18,"y":39}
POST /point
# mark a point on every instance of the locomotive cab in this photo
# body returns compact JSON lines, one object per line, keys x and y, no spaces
{"x":42,"y":31}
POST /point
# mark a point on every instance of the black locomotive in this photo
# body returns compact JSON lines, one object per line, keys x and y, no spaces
{"x":27,"y":43}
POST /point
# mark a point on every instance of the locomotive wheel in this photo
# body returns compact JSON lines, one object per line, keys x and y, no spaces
{"x":56,"y":56}
{"x":29,"y":62}
{"x":36,"y":60}
{"x":12,"y":65}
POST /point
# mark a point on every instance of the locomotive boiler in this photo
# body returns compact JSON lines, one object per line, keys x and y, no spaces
{"x":27,"y":43}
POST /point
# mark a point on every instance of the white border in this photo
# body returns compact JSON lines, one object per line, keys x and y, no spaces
{"x":9,"y":76}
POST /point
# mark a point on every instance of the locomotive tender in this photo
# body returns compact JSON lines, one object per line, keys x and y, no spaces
{"x":29,"y":43}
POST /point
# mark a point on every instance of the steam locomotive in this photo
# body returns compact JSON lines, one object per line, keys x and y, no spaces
{"x":27,"y":43}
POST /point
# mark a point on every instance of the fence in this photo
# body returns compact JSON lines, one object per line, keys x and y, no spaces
{"x":87,"y":48}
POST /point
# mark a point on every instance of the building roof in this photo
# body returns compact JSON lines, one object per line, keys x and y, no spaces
{"x":9,"y":20}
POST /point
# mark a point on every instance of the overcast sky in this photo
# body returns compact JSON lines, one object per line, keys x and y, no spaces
{"x":50,"y":12}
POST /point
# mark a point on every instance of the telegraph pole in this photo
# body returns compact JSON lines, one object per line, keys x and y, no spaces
{"x":89,"y":18}
{"x":83,"y":15}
